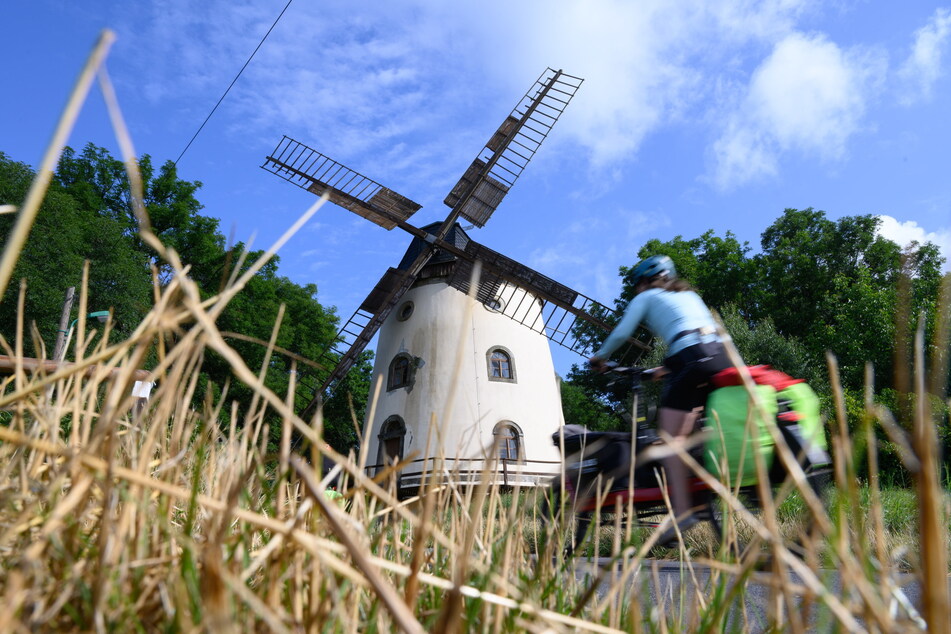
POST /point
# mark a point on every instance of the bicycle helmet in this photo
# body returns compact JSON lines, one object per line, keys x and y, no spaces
{"x":654,"y":266}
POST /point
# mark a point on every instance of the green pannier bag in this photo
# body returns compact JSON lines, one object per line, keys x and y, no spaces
{"x":730,"y":444}
{"x":803,"y":403}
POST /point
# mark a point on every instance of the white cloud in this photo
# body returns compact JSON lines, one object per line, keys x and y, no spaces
{"x":646,"y":64}
{"x":766,"y":20}
{"x":923,"y":67}
{"x":434,"y":78}
{"x":743,"y":153}
{"x":362,"y":82}
{"x":904,"y":233}
{"x":809,"y":96}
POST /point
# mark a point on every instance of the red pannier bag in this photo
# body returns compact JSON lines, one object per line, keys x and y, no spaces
{"x":762,"y":375}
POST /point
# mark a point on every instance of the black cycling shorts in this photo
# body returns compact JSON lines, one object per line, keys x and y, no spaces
{"x":688,"y":384}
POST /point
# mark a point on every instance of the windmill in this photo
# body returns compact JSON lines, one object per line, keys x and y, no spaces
{"x":424,"y":290}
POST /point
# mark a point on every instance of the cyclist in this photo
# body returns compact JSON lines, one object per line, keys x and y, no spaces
{"x":670,"y":308}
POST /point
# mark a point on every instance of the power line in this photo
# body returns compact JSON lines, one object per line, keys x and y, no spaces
{"x":197,"y":132}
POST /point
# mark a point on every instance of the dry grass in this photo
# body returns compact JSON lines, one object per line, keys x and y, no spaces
{"x":172,"y":518}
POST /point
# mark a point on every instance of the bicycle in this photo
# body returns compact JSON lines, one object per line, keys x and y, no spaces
{"x":605,"y":473}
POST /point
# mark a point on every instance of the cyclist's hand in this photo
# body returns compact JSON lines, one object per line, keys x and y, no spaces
{"x":598,"y":364}
{"x":656,"y":374}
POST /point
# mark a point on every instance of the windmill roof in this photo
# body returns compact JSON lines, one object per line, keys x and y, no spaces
{"x":456,"y":236}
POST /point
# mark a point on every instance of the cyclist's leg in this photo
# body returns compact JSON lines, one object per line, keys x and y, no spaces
{"x":678,"y":424}
{"x":684,"y":395}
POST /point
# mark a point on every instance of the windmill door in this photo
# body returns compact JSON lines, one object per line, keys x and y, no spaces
{"x":391,"y":442}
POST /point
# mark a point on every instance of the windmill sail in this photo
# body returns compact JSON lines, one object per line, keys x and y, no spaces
{"x":311,"y":170}
{"x":493,"y":172}
{"x":344,"y":352}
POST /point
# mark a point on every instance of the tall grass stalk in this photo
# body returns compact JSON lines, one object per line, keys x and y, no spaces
{"x":174,"y":516}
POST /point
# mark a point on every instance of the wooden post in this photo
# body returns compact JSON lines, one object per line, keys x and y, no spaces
{"x":59,"y":350}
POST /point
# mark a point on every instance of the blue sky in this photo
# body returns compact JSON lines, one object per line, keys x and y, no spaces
{"x":694,"y":115}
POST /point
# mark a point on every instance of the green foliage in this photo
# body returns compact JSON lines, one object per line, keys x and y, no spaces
{"x":834,"y":286}
{"x":345,"y":407}
{"x":716,"y":266}
{"x":99,"y":183}
{"x":66,"y":233}
{"x":582,"y":407}
{"x":306,"y":329}
{"x":761,"y":343}
{"x":88,"y":216}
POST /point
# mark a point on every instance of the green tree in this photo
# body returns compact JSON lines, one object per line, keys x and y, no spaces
{"x":347,"y":405}
{"x":835,"y":286}
{"x":100,"y":184}
{"x":88,"y":215}
{"x":582,"y":407}
{"x":717,"y":267}
{"x":760,"y":343}
{"x":65,"y":234}
{"x":307,"y":328}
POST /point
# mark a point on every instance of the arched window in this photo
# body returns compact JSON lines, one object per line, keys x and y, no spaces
{"x":501,"y":365}
{"x":401,"y":372}
{"x":508,"y":441}
{"x":392,"y":433}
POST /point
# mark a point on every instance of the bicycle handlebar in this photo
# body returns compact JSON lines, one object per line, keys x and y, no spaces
{"x":631,"y":370}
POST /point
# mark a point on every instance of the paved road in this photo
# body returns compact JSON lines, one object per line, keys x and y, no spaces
{"x":669,"y":586}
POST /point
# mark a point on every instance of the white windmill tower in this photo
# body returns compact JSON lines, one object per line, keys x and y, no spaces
{"x":478,"y":363}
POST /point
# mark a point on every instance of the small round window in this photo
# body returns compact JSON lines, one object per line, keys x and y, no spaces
{"x":405,"y":311}
{"x":494,"y":304}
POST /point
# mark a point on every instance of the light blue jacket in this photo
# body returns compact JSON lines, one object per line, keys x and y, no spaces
{"x":666,"y":314}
